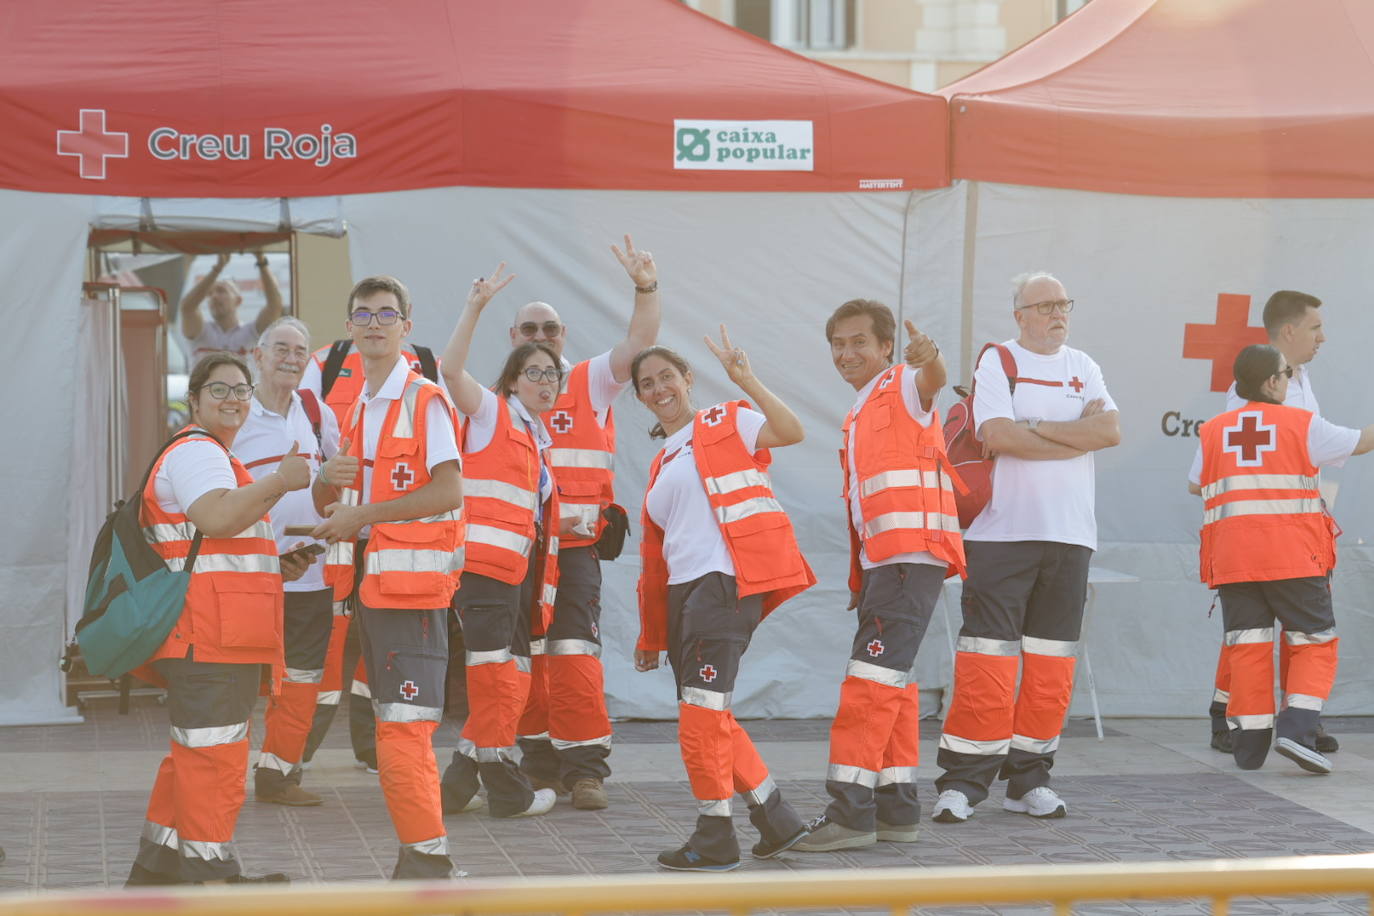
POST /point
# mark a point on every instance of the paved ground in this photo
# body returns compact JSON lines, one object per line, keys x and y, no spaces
{"x":72,"y":801}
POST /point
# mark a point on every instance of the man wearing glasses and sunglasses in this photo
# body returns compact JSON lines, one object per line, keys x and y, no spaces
{"x":399,"y":449}
{"x":1028,"y":554}
{"x":566,"y":741}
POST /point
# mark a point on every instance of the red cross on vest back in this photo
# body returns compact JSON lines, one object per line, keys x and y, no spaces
{"x":1249,"y":440}
{"x":1221,"y":342}
{"x":92,"y":143}
{"x":401,"y":477}
{"x":876,"y":648}
{"x":708,"y":673}
{"x":714,"y":415}
{"x":561,"y":421}
{"x":409,"y":690}
{"x":1076,"y":384}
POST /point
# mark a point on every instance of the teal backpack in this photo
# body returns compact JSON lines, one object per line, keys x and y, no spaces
{"x":132,"y":599}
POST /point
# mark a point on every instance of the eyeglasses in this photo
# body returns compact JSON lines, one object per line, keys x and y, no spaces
{"x":282,"y":351}
{"x":535,"y":374}
{"x":1063,"y":306}
{"x":1286,"y":372}
{"x":220,"y":390}
{"x":385,"y":317}
{"x":530,"y":328}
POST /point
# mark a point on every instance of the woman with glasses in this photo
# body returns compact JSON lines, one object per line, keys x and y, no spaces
{"x":200,"y":502}
{"x":718,"y":555}
{"x":510,"y":572}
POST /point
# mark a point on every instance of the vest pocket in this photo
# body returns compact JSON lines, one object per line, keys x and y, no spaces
{"x":250,"y":613}
{"x":409,"y":559}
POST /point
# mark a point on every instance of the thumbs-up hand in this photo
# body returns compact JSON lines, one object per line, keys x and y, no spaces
{"x":920,"y":349}
{"x":342,"y":470}
{"x":294,"y":469}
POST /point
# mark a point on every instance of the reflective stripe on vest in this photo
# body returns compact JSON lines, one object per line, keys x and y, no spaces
{"x":585,"y":458}
{"x":904,"y":477}
{"x":500,"y":537}
{"x":1312,"y":504}
{"x":520,"y":498}
{"x":747,"y":509}
{"x":891,"y":521}
{"x":1259,"y":482}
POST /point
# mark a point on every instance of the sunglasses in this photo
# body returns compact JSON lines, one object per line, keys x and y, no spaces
{"x":530,"y":328}
{"x":385,"y":317}
{"x":1286,"y":372}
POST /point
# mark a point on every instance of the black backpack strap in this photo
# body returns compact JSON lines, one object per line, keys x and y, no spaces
{"x":338,"y":350}
{"x":428,"y":367}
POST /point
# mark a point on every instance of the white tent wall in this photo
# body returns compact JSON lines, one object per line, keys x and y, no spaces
{"x":772,"y":267}
{"x":42,"y":248}
{"x":1140,"y":268}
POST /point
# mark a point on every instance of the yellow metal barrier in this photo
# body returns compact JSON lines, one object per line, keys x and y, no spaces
{"x":894,"y":888}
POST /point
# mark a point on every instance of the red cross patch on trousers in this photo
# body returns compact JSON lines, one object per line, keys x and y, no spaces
{"x":876,"y":648}
{"x":708,"y":673}
{"x":409,"y":690}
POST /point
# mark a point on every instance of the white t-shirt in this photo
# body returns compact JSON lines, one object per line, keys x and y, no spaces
{"x":692,"y":543}
{"x":189,"y":471}
{"x":912,"y":399}
{"x":213,"y":338}
{"x":482,"y":426}
{"x":1328,"y":445}
{"x":441,"y":440}
{"x":260,"y":445}
{"x":1039,"y":500}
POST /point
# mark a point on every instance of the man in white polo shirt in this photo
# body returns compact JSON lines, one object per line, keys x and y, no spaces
{"x":1028,"y":554}
{"x":223,"y":331}
{"x":277,"y":419}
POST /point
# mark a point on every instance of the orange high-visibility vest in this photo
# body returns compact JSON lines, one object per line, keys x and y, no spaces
{"x":1263,"y":516}
{"x":905,"y":490}
{"x":757,"y":532}
{"x":233,"y":610}
{"x":413,"y":564}
{"x":500,"y":493}
{"x":349,"y":384}
{"x":581,"y":457}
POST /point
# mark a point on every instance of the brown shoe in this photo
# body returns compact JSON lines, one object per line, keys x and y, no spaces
{"x":292,"y":795}
{"x":589,"y":795}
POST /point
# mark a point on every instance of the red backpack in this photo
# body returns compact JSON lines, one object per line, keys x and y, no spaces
{"x":963,"y":448}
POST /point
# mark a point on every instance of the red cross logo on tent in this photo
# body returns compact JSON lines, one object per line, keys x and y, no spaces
{"x":1249,"y":439}
{"x":561,"y":422}
{"x":876,"y":648}
{"x":409,"y":690}
{"x":92,"y":143}
{"x":1076,"y":384}
{"x":715,"y":415}
{"x":1221,"y":342}
{"x":708,"y":673}
{"x":401,"y":477}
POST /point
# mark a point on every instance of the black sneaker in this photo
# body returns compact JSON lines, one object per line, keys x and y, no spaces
{"x":1222,"y":741}
{"x":1306,"y":757}
{"x":1327,"y":744}
{"x":766,"y":850}
{"x":146,"y":877}
{"x":274,"y":877}
{"x":687,"y":859}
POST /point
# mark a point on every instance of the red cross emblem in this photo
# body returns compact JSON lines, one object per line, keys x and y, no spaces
{"x":887,"y":379}
{"x":1249,"y":439}
{"x":876,"y":648}
{"x":401,"y":477}
{"x":1221,"y":342}
{"x":1076,"y":384}
{"x":409,"y":690}
{"x":708,"y":673}
{"x":92,"y":143}
{"x":561,"y":421}
{"x":715,"y":415}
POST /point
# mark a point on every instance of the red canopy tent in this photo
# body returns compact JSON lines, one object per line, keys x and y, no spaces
{"x":234,"y":98}
{"x":1224,"y":98}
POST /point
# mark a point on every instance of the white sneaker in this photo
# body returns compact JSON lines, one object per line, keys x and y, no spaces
{"x":1310,"y":759}
{"x":364,"y":765}
{"x":542,"y":804}
{"x":1042,"y":801}
{"x":951,"y":807}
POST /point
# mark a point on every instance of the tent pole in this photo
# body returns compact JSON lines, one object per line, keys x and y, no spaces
{"x":966,"y":298}
{"x":901,"y":273}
